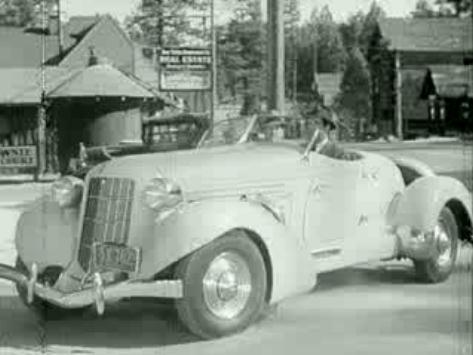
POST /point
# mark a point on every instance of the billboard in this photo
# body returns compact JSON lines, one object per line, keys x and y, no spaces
{"x":185,"y":69}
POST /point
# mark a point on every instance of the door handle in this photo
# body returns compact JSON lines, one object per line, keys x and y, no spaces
{"x":372,"y":176}
{"x":317,"y":189}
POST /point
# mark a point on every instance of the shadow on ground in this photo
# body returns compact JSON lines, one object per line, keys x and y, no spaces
{"x":146,"y":323}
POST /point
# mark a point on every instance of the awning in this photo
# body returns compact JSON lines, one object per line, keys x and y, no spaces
{"x":101,"y":80}
{"x":23,"y":86}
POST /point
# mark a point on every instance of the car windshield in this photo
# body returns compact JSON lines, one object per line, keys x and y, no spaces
{"x":263,"y":129}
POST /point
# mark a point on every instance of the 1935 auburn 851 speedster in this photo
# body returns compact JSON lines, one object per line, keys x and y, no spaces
{"x":247,"y":219}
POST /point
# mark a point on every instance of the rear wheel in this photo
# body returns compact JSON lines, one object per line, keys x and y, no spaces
{"x":224,"y":285}
{"x":40,"y":307}
{"x":439,"y":268}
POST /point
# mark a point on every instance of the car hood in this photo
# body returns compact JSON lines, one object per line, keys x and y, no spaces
{"x":208,"y":167}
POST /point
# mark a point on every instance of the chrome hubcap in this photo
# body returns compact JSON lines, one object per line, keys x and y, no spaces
{"x":444,"y":245}
{"x":227,"y":285}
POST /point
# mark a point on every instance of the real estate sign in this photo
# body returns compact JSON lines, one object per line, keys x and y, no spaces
{"x":18,"y":157}
{"x":185,"y":69}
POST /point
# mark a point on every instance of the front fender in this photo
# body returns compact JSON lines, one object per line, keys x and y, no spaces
{"x":420,"y":204}
{"x":46,"y":234}
{"x":199,"y":223}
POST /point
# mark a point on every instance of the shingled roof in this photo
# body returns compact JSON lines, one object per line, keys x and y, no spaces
{"x":101,"y":80}
{"x":24,"y":48}
{"x":23,"y":86}
{"x":428,"y":34}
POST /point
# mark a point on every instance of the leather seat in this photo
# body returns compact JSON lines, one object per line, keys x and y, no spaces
{"x":334,"y":151}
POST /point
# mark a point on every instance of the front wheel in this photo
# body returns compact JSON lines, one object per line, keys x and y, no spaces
{"x":440,"y":267}
{"x":224,"y":286}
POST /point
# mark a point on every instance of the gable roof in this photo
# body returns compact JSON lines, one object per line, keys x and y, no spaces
{"x":76,"y":28}
{"x":24,"y":49}
{"x":91,"y":32}
{"x":428,"y":34}
{"x":449,"y":81}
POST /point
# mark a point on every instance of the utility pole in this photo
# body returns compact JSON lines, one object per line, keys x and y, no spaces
{"x":59,"y":29}
{"x":276,"y":55}
{"x":41,"y":115}
{"x":213,"y":39}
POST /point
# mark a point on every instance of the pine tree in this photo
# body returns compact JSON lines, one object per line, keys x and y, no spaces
{"x":329,"y":45}
{"x":354,"y":98}
{"x":241,"y":53}
{"x":165,"y":22}
{"x":18,"y":13}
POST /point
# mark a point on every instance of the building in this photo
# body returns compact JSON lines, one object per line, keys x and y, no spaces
{"x":448,"y":89}
{"x":68,"y":45}
{"x":403,"y":51}
{"x":33,"y":114}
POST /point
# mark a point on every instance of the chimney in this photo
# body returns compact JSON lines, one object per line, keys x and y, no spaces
{"x":54,"y":21}
{"x":93,"y":59}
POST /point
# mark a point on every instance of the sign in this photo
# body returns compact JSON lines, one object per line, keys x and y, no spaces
{"x":185,"y":69}
{"x":18,"y":157}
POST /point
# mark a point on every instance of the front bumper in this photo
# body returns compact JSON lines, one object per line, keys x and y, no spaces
{"x":97,"y":293}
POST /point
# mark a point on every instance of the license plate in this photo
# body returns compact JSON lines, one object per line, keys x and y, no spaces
{"x":109,"y":256}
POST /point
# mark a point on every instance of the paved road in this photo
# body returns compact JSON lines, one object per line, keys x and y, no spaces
{"x":370,"y":309}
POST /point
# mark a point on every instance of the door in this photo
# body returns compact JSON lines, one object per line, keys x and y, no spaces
{"x":332,"y":210}
{"x":376,"y":188}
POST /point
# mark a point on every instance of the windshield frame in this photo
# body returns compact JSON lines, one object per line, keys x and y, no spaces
{"x":305,"y":150}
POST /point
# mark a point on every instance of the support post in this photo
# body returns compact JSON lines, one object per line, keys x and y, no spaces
{"x":275,"y":55}
{"x":398,"y":92}
{"x":41,"y":142}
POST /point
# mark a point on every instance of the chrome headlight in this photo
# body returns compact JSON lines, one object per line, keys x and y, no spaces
{"x":161,"y":193}
{"x":67,"y":191}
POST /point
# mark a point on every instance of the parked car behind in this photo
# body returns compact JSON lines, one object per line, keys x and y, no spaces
{"x":159,"y":134}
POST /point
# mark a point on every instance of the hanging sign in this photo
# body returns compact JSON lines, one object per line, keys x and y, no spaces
{"x":18,"y":157}
{"x":185,"y":69}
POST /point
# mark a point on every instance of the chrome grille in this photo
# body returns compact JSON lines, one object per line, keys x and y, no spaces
{"x":107,"y":214}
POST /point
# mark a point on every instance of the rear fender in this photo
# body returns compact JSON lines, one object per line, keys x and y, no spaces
{"x":420,"y":204}
{"x":411,"y":169}
{"x":199,"y":223}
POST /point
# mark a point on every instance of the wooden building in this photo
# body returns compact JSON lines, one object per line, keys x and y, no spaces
{"x":37,"y":106}
{"x":401,"y":53}
{"x":96,"y":105}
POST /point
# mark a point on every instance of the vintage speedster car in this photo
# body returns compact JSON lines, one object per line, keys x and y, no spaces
{"x":247,"y":219}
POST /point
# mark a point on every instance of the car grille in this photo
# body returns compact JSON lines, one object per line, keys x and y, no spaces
{"x":107,"y":214}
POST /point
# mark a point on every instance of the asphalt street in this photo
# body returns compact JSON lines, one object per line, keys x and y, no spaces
{"x":375,"y":308}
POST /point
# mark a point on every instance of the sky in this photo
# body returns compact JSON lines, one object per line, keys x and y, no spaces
{"x":341,"y":9}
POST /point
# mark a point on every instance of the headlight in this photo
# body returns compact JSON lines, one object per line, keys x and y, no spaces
{"x":161,"y":194}
{"x":67,"y":191}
